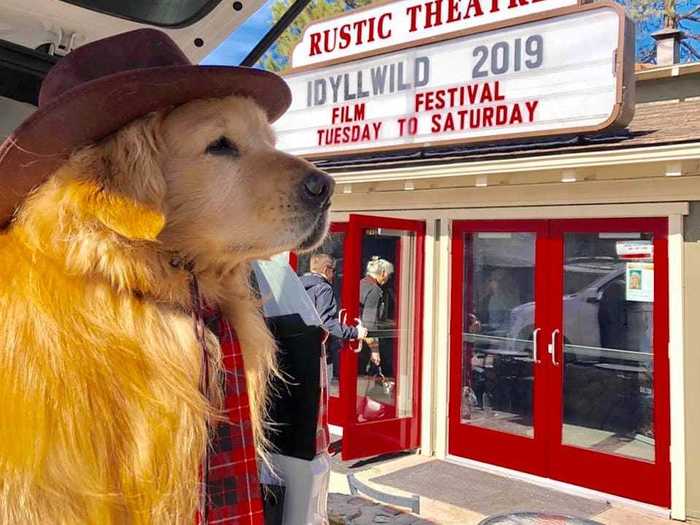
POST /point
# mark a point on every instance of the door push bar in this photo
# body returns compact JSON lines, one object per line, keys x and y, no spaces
{"x":552,"y":347}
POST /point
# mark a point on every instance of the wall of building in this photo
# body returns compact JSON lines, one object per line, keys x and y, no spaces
{"x":614,"y":191}
{"x":530,"y":189}
{"x":692,"y":358}
{"x":667,"y":87}
{"x":497,"y":190}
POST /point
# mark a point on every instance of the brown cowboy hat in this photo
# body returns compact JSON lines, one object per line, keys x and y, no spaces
{"x":102,"y":86}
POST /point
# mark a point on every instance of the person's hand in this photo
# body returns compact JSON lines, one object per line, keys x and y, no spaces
{"x":361,"y":330}
{"x":375,"y":358}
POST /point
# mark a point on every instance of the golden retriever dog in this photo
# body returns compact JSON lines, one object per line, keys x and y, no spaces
{"x":101,"y":416}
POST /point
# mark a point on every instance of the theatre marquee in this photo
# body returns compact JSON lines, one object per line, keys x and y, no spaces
{"x":568,"y":70}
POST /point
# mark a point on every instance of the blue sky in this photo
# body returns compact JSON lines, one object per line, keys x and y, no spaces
{"x":242,"y":40}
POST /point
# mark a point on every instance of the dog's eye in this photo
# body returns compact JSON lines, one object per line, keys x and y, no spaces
{"x":222,"y":146}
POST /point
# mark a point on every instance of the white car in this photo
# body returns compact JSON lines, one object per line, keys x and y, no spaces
{"x":583,"y":338}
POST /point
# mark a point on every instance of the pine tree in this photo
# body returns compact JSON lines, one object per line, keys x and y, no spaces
{"x":277,"y":59}
{"x":654,"y":15}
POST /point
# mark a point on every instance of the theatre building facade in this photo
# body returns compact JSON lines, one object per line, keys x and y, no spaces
{"x":517,"y":223}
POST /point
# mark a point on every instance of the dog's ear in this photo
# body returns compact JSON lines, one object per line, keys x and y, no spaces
{"x":131,"y":202}
{"x":128,"y":217}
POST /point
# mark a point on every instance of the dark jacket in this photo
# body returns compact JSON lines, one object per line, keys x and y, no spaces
{"x":372,"y":303}
{"x":321,"y":293}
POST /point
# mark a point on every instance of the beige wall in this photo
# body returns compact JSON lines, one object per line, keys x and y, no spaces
{"x":692,"y":360}
{"x":668,"y":83}
{"x":677,"y":88}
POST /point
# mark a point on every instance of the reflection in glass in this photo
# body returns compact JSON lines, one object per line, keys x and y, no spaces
{"x":498,"y":322}
{"x":387,"y":302}
{"x":608,"y":321}
{"x":333,"y":246}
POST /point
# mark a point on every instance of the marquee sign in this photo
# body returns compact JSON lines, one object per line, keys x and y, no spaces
{"x":401,"y":22}
{"x":563,"y":71}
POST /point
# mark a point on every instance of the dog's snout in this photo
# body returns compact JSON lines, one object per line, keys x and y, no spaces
{"x":318,"y":187}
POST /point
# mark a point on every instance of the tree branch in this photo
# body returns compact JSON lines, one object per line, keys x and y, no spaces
{"x":647,"y":56}
{"x":690,"y":50}
{"x":689,"y":13}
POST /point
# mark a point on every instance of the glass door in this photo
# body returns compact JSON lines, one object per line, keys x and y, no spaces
{"x":334,"y":246}
{"x":497,"y":381}
{"x":609,"y":361}
{"x":559,"y":351}
{"x":380,"y":378}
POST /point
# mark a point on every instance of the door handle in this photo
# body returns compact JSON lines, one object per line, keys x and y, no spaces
{"x":342,"y":315}
{"x":535,"y":334}
{"x":552,"y":346}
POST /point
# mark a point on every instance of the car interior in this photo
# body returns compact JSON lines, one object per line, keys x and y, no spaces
{"x":34,"y":35}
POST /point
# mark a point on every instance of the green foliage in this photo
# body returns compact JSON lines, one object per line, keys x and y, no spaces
{"x":641,"y":10}
{"x":278,"y":57}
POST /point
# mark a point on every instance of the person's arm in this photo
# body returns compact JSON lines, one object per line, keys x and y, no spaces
{"x":328,"y":312}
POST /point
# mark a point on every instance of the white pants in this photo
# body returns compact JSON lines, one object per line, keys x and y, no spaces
{"x":306,"y":487}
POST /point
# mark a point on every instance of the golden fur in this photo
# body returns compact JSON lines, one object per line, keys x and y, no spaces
{"x":101,"y":416}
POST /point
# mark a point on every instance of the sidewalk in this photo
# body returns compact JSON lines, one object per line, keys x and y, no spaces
{"x":456,"y":495}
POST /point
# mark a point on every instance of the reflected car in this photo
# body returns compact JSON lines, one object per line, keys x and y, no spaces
{"x":582,"y":326}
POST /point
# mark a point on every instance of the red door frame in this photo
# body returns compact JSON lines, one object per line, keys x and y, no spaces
{"x":482,"y":444}
{"x":335,"y":408}
{"x":387,"y":435}
{"x":545,"y":455}
{"x":624,"y":476}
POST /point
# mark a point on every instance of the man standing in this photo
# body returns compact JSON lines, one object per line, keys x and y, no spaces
{"x":318,"y":284}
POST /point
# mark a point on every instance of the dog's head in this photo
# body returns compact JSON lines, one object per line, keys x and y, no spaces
{"x":229,"y":190}
{"x":205,"y":180}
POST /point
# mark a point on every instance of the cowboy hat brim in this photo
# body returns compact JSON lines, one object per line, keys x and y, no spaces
{"x":96,"y":109}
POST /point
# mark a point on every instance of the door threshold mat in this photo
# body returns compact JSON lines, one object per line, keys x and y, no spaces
{"x":535,"y":518}
{"x":486,"y":493}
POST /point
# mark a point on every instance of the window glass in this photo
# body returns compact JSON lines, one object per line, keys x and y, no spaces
{"x":608,"y":343}
{"x":497,"y":332}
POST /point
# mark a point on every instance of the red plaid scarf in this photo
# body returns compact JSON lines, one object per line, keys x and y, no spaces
{"x":232,"y":488}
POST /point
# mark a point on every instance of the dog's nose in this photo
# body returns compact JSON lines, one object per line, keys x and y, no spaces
{"x":318,"y":187}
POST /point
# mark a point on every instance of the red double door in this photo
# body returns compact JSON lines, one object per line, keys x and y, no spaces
{"x":374,"y":386}
{"x":559,"y":351}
